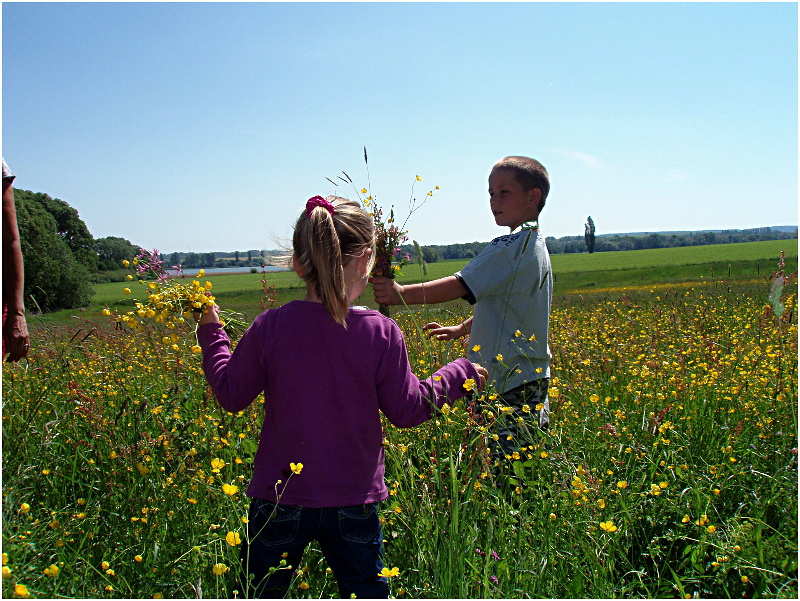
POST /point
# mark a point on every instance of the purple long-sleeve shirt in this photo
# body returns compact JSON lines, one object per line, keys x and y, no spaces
{"x":324,"y":387}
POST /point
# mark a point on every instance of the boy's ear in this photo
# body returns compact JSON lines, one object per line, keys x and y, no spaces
{"x":535,"y":196}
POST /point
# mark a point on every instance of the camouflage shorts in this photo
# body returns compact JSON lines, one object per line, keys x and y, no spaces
{"x":530,"y":413}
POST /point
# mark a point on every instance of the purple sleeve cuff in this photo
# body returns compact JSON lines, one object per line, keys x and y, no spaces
{"x":209,"y":333}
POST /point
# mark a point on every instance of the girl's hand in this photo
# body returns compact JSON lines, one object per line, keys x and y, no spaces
{"x":483,"y":375}
{"x":440,"y":332}
{"x":210,"y":314}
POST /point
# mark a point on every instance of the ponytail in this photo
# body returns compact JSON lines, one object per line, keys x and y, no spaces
{"x":326,"y":256}
{"x":328,"y":234}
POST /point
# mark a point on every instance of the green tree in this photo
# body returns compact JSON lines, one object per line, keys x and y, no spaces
{"x":71,"y":229}
{"x":111,"y":251}
{"x":54,"y":279}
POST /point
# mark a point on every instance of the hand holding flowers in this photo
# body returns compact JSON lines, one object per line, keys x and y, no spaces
{"x":388,"y":238}
{"x":209,"y":314}
{"x":170,"y":302}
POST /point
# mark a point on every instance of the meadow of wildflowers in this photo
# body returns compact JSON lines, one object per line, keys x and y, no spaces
{"x":669,"y":469}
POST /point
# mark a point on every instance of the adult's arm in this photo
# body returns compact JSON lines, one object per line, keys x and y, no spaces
{"x":15,"y":328}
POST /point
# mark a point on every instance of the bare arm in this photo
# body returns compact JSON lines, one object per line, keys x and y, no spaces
{"x":389,"y":292}
{"x":441,"y":332}
{"x":15,"y":329}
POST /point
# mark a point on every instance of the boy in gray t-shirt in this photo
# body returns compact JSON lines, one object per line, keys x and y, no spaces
{"x":510,"y":283}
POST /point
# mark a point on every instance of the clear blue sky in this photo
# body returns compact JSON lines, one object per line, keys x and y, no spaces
{"x":206,"y":126}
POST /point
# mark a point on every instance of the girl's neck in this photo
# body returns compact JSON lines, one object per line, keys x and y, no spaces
{"x":311,"y":295}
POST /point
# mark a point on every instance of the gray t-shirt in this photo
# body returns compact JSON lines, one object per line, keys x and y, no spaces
{"x":511,"y":285}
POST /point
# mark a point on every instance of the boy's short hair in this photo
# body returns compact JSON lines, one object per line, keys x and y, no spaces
{"x":529,"y":172}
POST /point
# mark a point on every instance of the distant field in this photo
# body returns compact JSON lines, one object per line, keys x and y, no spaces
{"x":684,"y":255}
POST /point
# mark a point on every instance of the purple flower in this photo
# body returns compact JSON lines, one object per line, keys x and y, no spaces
{"x":479,"y":552}
{"x":493,"y":579}
{"x":495,"y":556}
{"x":150,"y":263}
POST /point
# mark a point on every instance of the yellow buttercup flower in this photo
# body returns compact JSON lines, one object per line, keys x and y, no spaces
{"x":127,"y":290}
{"x":476,"y":348}
{"x":6,"y":572}
{"x":469,"y":384}
{"x":218,"y":569}
{"x":296,"y":467}
{"x":608,"y":526}
{"x":233,"y":539}
{"x":499,"y":356}
{"x":230,"y":489}
{"x":20,"y":590}
{"x":389,"y":572}
{"x":125,"y":262}
{"x":217,"y":463}
{"x":24,"y":508}
{"x":52,"y":570}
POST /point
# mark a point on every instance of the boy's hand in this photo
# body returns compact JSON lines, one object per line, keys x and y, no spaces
{"x":483,"y":375}
{"x":387,"y":292}
{"x":440,"y":332}
{"x":208,"y":314}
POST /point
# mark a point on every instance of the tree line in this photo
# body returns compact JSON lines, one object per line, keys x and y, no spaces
{"x":62,"y":259}
{"x":609,"y":242}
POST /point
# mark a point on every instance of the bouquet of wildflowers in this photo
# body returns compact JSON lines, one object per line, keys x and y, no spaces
{"x":170,"y":301}
{"x":388,"y":235}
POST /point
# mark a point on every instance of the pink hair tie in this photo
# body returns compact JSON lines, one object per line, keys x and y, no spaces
{"x":318,"y":201}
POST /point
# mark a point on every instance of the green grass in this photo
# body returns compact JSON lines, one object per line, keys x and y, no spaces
{"x":674,"y":417}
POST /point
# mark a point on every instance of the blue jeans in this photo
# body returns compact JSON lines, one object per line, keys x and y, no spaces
{"x":350,"y":539}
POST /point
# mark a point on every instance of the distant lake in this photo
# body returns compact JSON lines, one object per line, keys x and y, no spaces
{"x":212,"y":270}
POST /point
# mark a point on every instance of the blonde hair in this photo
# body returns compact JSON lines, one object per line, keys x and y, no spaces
{"x":325,"y":243}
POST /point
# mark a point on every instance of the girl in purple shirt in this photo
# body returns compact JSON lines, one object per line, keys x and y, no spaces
{"x":327,"y":370}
